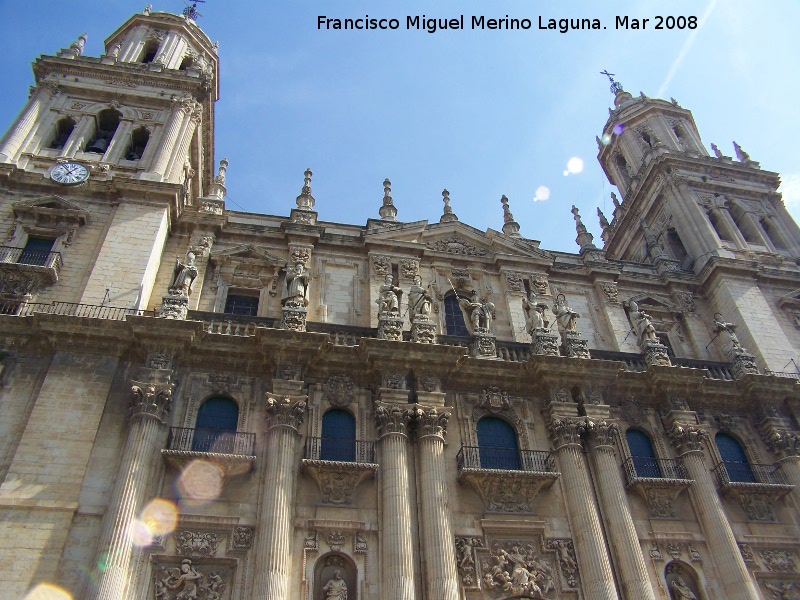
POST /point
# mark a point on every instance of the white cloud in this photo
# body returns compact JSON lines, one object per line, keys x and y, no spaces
{"x":790,"y":188}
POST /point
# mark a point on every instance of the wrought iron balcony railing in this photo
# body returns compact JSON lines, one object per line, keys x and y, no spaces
{"x":642,"y":467}
{"x":36,"y":258}
{"x":732,"y":473}
{"x":339,"y":450}
{"x":187,"y":439}
{"x":506,"y":459}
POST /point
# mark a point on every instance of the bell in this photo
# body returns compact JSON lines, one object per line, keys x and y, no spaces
{"x":99,"y":146}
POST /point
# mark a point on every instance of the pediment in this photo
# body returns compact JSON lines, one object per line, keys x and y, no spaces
{"x":53,"y":208}
{"x":247,"y":252}
{"x":655,"y":303}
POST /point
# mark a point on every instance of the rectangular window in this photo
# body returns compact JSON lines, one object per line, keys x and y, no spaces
{"x":241,"y":304}
{"x":36,"y":252}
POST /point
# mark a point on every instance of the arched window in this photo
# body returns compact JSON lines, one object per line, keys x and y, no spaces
{"x":216,"y":425}
{"x":772,"y":233}
{"x":338,"y":436}
{"x":497,"y":445}
{"x":186,"y":63}
{"x":107,"y":123}
{"x":64,"y":129}
{"x":676,"y":247}
{"x":720,"y":226}
{"x":453,"y":317}
{"x":734,"y":458}
{"x":150,"y":51}
{"x":642,"y":454}
{"x":139,"y":139}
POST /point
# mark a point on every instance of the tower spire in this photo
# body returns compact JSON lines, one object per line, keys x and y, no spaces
{"x":585,"y":239}
{"x":387,"y":212}
{"x":510,"y":226}
{"x":448,"y":216}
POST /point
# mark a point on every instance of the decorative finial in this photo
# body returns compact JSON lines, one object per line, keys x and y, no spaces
{"x":448,"y":215}
{"x":510,"y":226}
{"x":615,"y":200}
{"x":147,"y":9}
{"x":741,"y":155}
{"x":603,"y":221}
{"x":717,"y":152}
{"x":223,"y":168}
{"x":305,"y":201}
{"x":77,"y":45}
{"x":116,"y":50}
{"x":579,"y":226}
{"x":585,"y":239}
{"x":388,"y":212}
{"x":616,"y":86}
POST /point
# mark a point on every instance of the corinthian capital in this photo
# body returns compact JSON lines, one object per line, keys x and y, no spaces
{"x":150,"y":400}
{"x":431,"y":422}
{"x":602,"y":433}
{"x":285,"y":410}
{"x":782,"y":442}
{"x":392,"y":419}
{"x":687,"y":438}
{"x":565,"y":432}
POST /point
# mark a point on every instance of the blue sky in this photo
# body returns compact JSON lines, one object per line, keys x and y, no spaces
{"x":482,"y":113}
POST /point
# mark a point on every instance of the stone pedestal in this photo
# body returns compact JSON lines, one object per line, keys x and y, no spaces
{"x":655,"y":354}
{"x":390,"y":327}
{"x":483,"y":343}
{"x":742,"y":362}
{"x":423,"y":330}
{"x":574,"y":346}
{"x":293,"y":318}
{"x":544,"y":342}
{"x":174,"y":307}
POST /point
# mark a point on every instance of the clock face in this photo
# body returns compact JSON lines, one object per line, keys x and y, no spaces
{"x":69,"y":173}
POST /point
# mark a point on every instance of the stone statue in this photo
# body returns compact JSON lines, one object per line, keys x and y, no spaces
{"x":295,"y":287}
{"x":729,"y":328}
{"x":389,"y":297}
{"x":184,"y":581}
{"x":642,"y":324}
{"x":147,"y":9}
{"x":681,"y":591}
{"x":566,"y":318}
{"x":336,"y":588}
{"x":183,"y":276}
{"x":534,"y":314}
{"x":479,"y":313}
{"x":419,"y":300}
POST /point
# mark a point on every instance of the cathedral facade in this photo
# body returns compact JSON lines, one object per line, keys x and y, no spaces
{"x":216,"y":405}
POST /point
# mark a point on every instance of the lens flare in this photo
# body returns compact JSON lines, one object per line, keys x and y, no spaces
{"x":618,"y":128}
{"x":47,"y":591}
{"x":574,"y":165}
{"x":542,"y":193}
{"x":605,"y":140}
{"x":200,"y":482}
{"x":158,"y":518}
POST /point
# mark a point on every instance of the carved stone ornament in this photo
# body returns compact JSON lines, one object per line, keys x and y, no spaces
{"x":484,"y":343}
{"x":338,"y":481}
{"x":743,"y":363}
{"x":159,"y":360}
{"x":514,"y":569}
{"x":508,"y":491}
{"x":759,"y":507}
{"x":574,"y":345}
{"x":381,"y":265}
{"x":18,"y":284}
{"x":150,"y":400}
{"x":338,"y":391}
{"x":779,"y":561}
{"x":409,"y":268}
{"x":566,"y":559}
{"x":783,"y":590}
{"x":610,"y":290}
{"x":300,"y":255}
{"x":686,"y":300}
{"x":687,"y":438}
{"x":196,"y":543}
{"x":429,"y":421}
{"x":310,"y":541}
{"x":661,"y":495}
{"x":655,"y":553}
{"x":393,"y":381}
{"x":655,"y":354}
{"x":514,"y":281}
{"x":674,"y":550}
{"x":566,"y":432}
{"x":540,"y":285}
{"x":174,"y":307}
{"x":747,"y":553}
{"x":392,"y":419}
{"x":543,"y":342}
{"x":783,"y":443}
{"x":288,"y":411}
{"x":220,"y":383}
{"x":242,"y":537}
{"x":694,"y":554}
{"x":494,"y":400}
{"x":423,"y":330}
{"x":466,"y":560}
{"x":456,"y":245}
{"x":293,"y":318}
{"x":335,"y":540}
{"x":289,"y":372}
{"x":191,"y":580}
{"x":602,"y":433}
{"x":429,"y":383}
{"x":390,"y":328}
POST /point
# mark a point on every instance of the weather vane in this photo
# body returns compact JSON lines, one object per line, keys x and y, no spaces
{"x":190,"y":10}
{"x":616,"y":86}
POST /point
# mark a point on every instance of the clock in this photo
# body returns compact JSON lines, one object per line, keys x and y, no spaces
{"x":69,"y":173}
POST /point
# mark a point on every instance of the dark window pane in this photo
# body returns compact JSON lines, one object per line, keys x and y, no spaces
{"x":642,"y":453}
{"x":453,"y":317}
{"x":338,"y":436}
{"x":215,"y":427}
{"x":36,"y":251}
{"x":241,"y":305}
{"x":497,"y":443}
{"x":734,"y":458}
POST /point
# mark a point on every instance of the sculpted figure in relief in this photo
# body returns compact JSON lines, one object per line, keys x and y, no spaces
{"x":479,"y":313}
{"x":729,"y":328}
{"x":534,"y":314}
{"x":566,"y":317}
{"x":681,"y":591}
{"x":419,"y":300}
{"x":295,"y":286}
{"x":335,"y":589}
{"x":642,"y":324}
{"x":389,"y":297}
{"x":183,"y":276}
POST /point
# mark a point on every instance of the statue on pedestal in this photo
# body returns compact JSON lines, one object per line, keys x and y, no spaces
{"x":295,"y":287}
{"x":336,"y":588}
{"x":183,"y":276}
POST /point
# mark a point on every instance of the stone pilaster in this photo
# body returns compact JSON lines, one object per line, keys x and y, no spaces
{"x":397,"y":543}
{"x":786,"y":446}
{"x":441,"y":577}
{"x":634,"y":578}
{"x":183,"y":107}
{"x":12,"y":142}
{"x":285,"y":415}
{"x":593,"y":559}
{"x":734,"y":577}
{"x":148,"y":412}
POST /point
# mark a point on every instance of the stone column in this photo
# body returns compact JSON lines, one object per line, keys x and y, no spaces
{"x":148,"y":412}
{"x":441,"y":578}
{"x":119,"y":143}
{"x":175,"y":167}
{"x":634,"y":578}
{"x":786,"y":445}
{"x":274,"y":534}
{"x":13,"y":140}
{"x":734,"y":577}
{"x":77,"y":139}
{"x":593,"y":560}
{"x":397,"y":543}
{"x":182,"y":108}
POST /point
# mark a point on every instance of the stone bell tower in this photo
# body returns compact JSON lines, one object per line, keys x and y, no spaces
{"x":126,"y":139}
{"x":713,"y":220}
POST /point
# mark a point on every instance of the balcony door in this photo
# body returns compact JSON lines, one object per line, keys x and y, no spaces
{"x":642,"y":454}
{"x":497,"y":445}
{"x":338,"y":436}
{"x":215,"y":428}
{"x":734,"y":458}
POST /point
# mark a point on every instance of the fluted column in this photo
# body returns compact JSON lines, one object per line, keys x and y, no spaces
{"x":734,"y":577}
{"x":13,"y":140}
{"x":624,"y":542}
{"x":786,"y":445}
{"x":182,"y":108}
{"x":441,"y":578}
{"x":593,"y":560}
{"x":397,"y":541}
{"x":149,"y":410}
{"x":78,"y":138}
{"x":119,"y":143}
{"x":175,"y":166}
{"x":274,"y":535}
